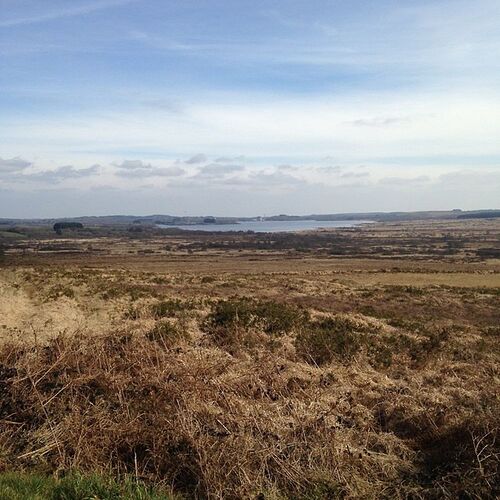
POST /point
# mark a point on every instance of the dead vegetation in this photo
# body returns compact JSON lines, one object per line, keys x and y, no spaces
{"x":278,"y":405}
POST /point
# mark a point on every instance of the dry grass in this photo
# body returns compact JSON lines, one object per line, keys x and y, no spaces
{"x":207,"y":420}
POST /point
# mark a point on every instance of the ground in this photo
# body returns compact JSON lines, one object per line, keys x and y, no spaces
{"x":354,"y":363}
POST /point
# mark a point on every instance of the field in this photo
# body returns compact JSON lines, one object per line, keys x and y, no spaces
{"x":353,"y":363}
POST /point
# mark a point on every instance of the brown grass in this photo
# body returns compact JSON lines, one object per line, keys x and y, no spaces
{"x":187,"y":414}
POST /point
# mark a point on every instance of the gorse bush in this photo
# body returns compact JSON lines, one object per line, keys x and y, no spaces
{"x":341,"y":338}
{"x":271,"y":317}
{"x":58,"y":291}
{"x":229,"y":313}
{"x":279,"y":318}
{"x":326,"y":339}
{"x":168,"y":308}
{"x":167,"y":334}
{"x":432,"y":340}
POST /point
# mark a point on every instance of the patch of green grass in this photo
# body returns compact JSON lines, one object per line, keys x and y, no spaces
{"x":21,"y":486}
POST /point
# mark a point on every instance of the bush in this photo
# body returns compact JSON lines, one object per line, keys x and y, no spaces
{"x":380,"y":355}
{"x":272,"y":317}
{"x":167,"y":334}
{"x":279,"y":318}
{"x":421,"y":351}
{"x":167,"y":308}
{"x":324,"y":340}
{"x":60,"y":290}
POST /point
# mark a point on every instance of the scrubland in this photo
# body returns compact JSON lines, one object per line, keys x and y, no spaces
{"x":211,"y":370}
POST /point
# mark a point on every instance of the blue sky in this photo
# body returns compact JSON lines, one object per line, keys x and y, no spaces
{"x":238,"y":107}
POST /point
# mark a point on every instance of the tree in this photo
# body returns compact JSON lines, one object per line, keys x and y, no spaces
{"x":59,"y":226}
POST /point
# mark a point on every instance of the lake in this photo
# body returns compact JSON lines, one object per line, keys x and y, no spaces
{"x":271,"y":226}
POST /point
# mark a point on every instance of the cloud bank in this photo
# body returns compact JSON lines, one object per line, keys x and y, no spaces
{"x":301,"y":106}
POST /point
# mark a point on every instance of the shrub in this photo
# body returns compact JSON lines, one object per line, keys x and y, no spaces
{"x":272,"y":317}
{"x":207,"y":279}
{"x":244,"y":323}
{"x":229,"y":313}
{"x":279,"y":318}
{"x":380,"y":355}
{"x":167,"y":308}
{"x":324,"y":340}
{"x":167,"y":334}
{"x":60,"y":290}
{"x":432,"y":342}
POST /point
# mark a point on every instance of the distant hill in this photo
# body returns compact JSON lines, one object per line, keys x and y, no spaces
{"x":172,"y":220}
{"x":393,"y":216}
{"x":485,"y":214}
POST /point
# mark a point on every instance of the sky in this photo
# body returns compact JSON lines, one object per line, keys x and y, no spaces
{"x":232,"y":107}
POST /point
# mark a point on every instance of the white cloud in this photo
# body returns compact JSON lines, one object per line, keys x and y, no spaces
{"x":132,"y":165}
{"x":62,"y":173}
{"x":152,"y":172}
{"x":230,"y":159}
{"x":13,"y":165}
{"x":199,"y":158}
{"x":379,"y":121}
{"x":19,"y":173}
{"x":404,"y":181}
{"x":219,"y":170}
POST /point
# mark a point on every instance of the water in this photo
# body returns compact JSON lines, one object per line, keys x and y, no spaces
{"x":271,"y":226}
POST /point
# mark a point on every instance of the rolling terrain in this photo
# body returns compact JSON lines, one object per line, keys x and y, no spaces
{"x":353,"y":363}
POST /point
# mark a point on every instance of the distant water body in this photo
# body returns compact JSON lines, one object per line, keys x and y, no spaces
{"x":271,"y":226}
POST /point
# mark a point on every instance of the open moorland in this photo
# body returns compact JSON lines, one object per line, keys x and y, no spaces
{"x":349,"y":363}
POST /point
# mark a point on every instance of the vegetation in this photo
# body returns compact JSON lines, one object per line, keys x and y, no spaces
{"x":249,"y":375}
{"x":485,"y":214}
{"x":324,"y":340}
{"x":18,"y":486}
{"x":272,"y":317}
{"x":167,"y":334}
{"x":60,"y":226}
{"x":168,"y":308}
{"x":469,"y":240}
